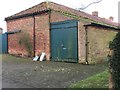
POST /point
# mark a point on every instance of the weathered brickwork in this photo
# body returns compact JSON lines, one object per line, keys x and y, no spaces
{"x":42,"y":35}
{"x":81,"y":42}
{"x":24,"y":24}
{"x":98,"y":43}
{"x":57,"y":17}
{"x":92,"y":41}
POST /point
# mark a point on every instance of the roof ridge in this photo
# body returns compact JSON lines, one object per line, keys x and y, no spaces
{"x":87,"y":15}
{"x":46,"y":5}
{"x":29,"y":9}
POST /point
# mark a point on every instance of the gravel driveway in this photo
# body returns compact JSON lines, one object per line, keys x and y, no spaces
{"x":24,"y":73}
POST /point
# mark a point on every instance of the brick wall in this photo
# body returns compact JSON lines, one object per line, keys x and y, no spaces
{"x":81,"y":42}
{"x":57,"y":17}
{"x":42,"y":30}
{"x":98,"y":43}
{"x":24,"y":24}
{"x":42,"y":33}
{"x":42,"y":36}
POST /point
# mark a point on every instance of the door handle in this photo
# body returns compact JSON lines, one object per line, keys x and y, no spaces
{"x":62,"y":45}
{"x":64,"y":48}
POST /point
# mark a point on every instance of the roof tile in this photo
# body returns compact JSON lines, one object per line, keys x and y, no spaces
{"x":54,"y":6}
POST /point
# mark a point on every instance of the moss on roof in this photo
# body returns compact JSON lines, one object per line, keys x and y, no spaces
{"x":83,"y":19}
{"x":48,"y":6}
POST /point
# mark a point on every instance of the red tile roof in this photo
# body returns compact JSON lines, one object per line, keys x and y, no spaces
{"x":61,"y":8}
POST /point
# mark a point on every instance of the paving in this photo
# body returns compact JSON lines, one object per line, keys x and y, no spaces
{"x":24,"y":73}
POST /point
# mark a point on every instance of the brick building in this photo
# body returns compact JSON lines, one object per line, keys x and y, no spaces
{"x":1,"y":30}
{"x":61,"y":32}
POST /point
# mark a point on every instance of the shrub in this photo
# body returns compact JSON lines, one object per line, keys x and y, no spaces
{"x":24,"y":40}
{"x":115,"y":61}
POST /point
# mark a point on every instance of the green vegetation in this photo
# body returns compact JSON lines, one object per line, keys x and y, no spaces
{"x":12,"y":58}
{"x":99,"y":80}
{"x":115,"y":61}
{"x":24,"y":40}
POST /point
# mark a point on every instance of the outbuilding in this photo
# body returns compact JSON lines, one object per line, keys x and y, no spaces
{"x":63,"y":33}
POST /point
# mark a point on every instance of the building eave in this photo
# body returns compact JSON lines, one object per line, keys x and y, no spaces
{"x":104,"y":26}
{"x":27,"y":15}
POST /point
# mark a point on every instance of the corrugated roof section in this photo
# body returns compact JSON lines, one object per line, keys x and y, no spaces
{"x":44,"y":6}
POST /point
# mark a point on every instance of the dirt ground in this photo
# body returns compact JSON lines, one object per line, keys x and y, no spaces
{"x":24,"y":73}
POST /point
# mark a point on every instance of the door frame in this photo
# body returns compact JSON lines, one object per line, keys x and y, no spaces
{"x":77,"y":59}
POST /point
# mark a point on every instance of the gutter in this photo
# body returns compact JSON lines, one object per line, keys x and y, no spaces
{"x":101,"y":25}
{"x":26,"y":15}
{"x":33,"y":35}
{"x":50,"y":32}
{"x":13,"y":32}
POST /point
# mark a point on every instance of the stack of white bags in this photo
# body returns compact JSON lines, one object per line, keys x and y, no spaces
{"x":40,"y":58}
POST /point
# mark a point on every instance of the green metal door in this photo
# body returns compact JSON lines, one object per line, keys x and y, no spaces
{"x":64,"y":46}
{"x":3,"y":44}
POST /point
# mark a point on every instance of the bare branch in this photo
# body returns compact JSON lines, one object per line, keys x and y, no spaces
{"x":89,"y":5}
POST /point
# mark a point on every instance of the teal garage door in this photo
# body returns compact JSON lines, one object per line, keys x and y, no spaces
{"x":3,"y":44}
{"x":64,"y":42}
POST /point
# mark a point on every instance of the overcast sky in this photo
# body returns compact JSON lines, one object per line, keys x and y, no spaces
{"x":106,"y":8}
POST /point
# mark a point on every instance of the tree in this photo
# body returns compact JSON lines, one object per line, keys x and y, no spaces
{"x":24,"y":39}
{"x":84,"y":7}
{"x":114,"y":63}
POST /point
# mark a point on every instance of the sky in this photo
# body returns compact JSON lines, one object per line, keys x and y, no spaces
{"x":106,"y":8}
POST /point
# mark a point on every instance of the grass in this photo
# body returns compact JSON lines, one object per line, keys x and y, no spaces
{"x":12,"y":58}
{"x":99,"y":80}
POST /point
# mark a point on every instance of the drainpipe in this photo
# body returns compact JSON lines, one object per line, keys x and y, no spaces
{"x":50,"y":30}
{"x":86,"y":45}
{"x":7,"y":43}
{"x":33,"y":35}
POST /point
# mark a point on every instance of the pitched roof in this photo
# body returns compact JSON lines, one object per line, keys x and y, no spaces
{"x":46,"y":6}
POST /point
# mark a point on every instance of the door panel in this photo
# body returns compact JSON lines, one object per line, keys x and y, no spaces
{"x":64,"y":41}
{"x":3,"y":43}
